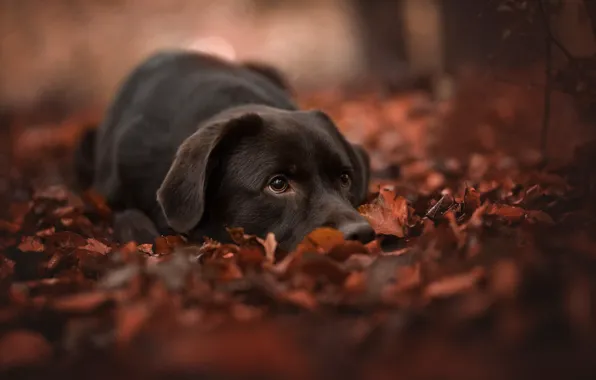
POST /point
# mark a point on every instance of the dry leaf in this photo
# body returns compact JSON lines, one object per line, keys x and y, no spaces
{"x":449,"y":286}
{"x":321,"y":240}
{"x":31,"y":244}
{"x":270,"y":245}
{"x":96,"y":246}
{"x":388,"y":214}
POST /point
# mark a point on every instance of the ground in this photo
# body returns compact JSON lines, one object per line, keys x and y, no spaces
{"x":485,"y":266}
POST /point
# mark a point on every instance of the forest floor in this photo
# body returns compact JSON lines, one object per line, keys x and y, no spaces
{"x":490,"y":271}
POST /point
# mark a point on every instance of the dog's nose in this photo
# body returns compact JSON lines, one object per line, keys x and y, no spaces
{"x":360,"y":231}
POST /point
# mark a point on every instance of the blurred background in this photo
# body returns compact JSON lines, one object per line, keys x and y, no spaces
{"x":63,"y":59}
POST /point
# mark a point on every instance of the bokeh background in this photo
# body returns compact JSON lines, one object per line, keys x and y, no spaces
{"x":61,"y":61}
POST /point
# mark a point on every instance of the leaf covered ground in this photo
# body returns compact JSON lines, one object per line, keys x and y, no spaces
{"x":485,"y":268}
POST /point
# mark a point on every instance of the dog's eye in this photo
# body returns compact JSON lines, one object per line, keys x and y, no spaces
{"x":278,"y":184}
{"x":345,"y":180}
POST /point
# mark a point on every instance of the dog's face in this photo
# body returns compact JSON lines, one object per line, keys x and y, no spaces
{"x":286,"y":172}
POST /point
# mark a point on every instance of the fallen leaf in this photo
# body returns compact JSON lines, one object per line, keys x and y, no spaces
{"x":510,"y":213}
{"x":451,"y":285}
{"x":341,"y":252}
{"x":471,"y":200}
{"x":145,"y":248}
{"x":66,"y":239}
{"x":318,"y":266}
{"x":250,"y":257}
{"x":387,"y":219}
{"x":321,"y":240}
{"x":301,"y":298}
{"x":270,"y":245}
{"x":96,"y":246}
{"x":98,"y":203}
{"x":31,"y":244}
{"x":164,"y":245}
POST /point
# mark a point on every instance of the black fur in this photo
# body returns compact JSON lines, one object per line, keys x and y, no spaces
{"x":190,"y":142}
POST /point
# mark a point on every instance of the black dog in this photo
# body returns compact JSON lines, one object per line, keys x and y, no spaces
{"x":194,"y":144}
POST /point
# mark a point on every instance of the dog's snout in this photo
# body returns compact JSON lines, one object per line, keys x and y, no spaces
{"x":360,"y":231}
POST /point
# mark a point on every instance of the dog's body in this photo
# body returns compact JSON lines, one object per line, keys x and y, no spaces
{"x":190,"y":143}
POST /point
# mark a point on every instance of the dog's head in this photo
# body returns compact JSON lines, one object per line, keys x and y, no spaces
{"x":267,"y":170}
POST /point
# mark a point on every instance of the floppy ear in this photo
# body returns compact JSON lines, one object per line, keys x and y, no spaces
{"x":182,"y":192}
{"x":358,"y":157}
{"x":362,"y":166}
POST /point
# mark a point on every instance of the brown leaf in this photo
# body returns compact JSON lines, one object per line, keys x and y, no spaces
{"x":225,"y":251}
{"x":449,"y":286}
{"x":47,"y":232}
{"x":98,"y":203}
{"x":96,"y":246}
{"x":282,"y":267}
{"x":221,"y":269}
{"x":270,"y":245}
{"x":90,"y":262}
{"x":355,"y":283}
{"x":318,"y":266}
{"x":31,"y":244}
{"x":164,"y":245}
{"x":471,"y":200}
{"x":62,"y":212}
{"x":66,"y":239}
{"x":239,"y":237}
{"x":342,"y":252}
{"x":55,"y":260}
{"x":82,"y":302}
{"x":301,"y":298}
{"x":231,"y":271}
{"x":145,"y":248}
{"x":321,"y":240}
{"x":250,"y":257}
{"x":510,"y":213}
{"x":387,"y":219}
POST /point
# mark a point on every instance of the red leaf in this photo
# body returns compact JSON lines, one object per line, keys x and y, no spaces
{"x":31,"y":244}
{"x":388,"y":214}
{"x":321,"y":240}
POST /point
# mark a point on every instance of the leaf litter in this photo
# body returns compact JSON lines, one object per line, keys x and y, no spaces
{"x":484,"y":266}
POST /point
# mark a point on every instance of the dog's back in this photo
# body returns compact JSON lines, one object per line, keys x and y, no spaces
{"x":173,"y":85}
{"x":160,"y":104}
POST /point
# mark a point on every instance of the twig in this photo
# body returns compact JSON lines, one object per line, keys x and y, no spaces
{"x":548,"y":78}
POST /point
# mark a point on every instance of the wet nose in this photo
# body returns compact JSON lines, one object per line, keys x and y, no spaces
{"x":360,"y":231}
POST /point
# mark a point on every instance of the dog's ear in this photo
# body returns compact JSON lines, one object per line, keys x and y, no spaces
{"x":182,"y":192}
{"x":363,"y":175}
{"x":358,"y":156}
